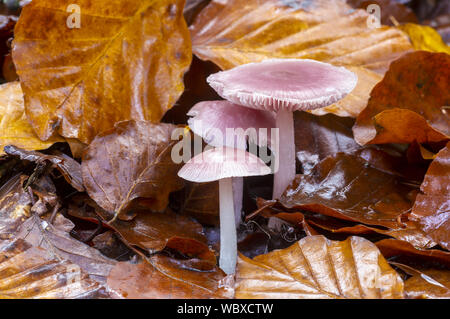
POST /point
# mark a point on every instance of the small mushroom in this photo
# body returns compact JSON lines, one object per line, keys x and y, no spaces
{"x":223,"y":164}
{"x":284,"y":86}
{"x":211,"y":119}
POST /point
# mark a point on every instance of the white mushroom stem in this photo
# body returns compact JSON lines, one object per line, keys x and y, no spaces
{"x":286,"y":157}
{"x":228,"y":241}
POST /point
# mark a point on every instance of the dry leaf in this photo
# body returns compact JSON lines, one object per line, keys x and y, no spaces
{"x":31,"y":272}
{"x":230,"y":34}
{"x":167,"y":278}
{"x":14,"y":126}
{"x":316,"y":267}
{"x":432,"y":206}
{"x":410,"y":103}
{"x":131,"y":161}
{"x":126,"y":61}
{"x":347,"y":187}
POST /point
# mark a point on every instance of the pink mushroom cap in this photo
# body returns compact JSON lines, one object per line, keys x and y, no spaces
{"x":289,"y":84}
{"x":211,"y":116}
{"x":222,"y":162}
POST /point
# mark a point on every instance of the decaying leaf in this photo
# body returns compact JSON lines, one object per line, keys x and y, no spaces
{"x":125,"y":61}
{"x":165,"y":277}
{"x":15,"y":206}
{"x":316,"y":267}
{"x":426,"y":284}
{"x":131,"y":161}
{"x":56,"y":239}
{"x":66,"y":165}
{"x":410,"y":103}
{"x":201,"y":201}
{"x":347,"y":187}
{"x":14,"y":126}
{"x":32,"y":272}
{"x":432,"y":205}
{"x":230,"y":34}
{"x":389,"y":9}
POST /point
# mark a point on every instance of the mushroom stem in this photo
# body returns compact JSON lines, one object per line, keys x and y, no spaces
{"x":238,"y":194}
{"x":228,"y":242}
{"x":286,"y":157}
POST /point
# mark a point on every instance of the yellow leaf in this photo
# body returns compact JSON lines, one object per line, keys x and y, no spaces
{"x":425,"y":38}
{"x":14,"y":127}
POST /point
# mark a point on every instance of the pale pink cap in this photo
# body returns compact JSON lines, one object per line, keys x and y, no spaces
{"x":211,"y":117}
{"x":222,"y":162}
{"x":289,"y":84}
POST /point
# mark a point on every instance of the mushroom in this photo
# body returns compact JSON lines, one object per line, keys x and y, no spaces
{"x":284,"y":86}
{"x":212,"y":119}
{"x":223,"y":164}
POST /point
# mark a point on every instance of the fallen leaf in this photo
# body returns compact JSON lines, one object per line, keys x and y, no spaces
{"x":31,"y":272}
{"x":14,"y":126}
{"x":201,"y":201}
{"x":15,"y":206}
{"x":126,"y":61}
{"x":349,"y":188}
{"x":432,"y":205}
{"x":167,"y":278}
{"x":66,"y":165}
{"x":410,"y":103}
{"x":57,"y":240}
{"x":230,"y":34}
{"x":132,"y":160}
{"x":424,"y":38}
{"x":316,"y":267}
{"x":317,"y":137}
{"x":393,"y":248}
{"x":426,"y":284}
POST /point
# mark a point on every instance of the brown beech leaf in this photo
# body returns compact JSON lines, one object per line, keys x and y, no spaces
{"x":410,"y":103}
{"x":347,"y":187}
{"x":15,"y":206}
{"x":14,"y":126}
{"x":316,"y":267}
{"x":167,"y":278}
{"x":201,"y":201}
{"x":432,"y":205}
{"x":131,"y":161}
{"x":125,"y":61}
{"x":230,"y":34}
{"x":67,"y":166}
{"x":56,"y":239}
{"x":406,"y":253}
{"x":32,"y":272}
{"x":426,"y":284}
{"x":317,"y":137}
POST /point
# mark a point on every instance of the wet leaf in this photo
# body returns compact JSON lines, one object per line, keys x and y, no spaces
{"x":349,"y":188}
{"x":432,"y":205}
{"x":14,"y":126}
{"x":131,"y":161}
{"x":57,"y":240}
{"x":230,"y":34}
{"x":167,"y":278}
{"x":425,"y":38}
{"x":316,"y":267}
{"x":410,"y":103}
{"x":426,"y":284}
{"x":31,"y":272}
{"x":201,"y":201}
{"x":15,"y":206}
{"x":66,"y":165}
{"x":317,"y":137}
{"x":126,"y":61}
{"x":388,"y":9}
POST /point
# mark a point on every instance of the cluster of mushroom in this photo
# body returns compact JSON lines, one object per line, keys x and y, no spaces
{"x":260,"y":95}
